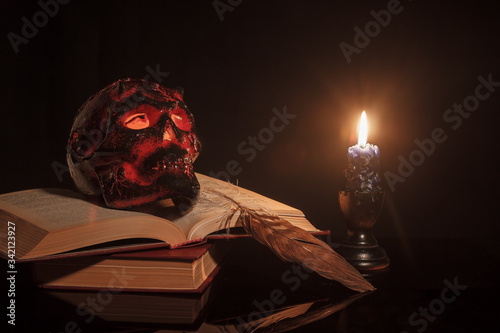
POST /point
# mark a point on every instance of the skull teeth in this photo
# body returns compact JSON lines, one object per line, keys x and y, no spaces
{"x":180,"y":163}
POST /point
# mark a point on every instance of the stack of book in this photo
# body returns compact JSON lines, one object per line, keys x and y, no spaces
{"x":77,"y":244}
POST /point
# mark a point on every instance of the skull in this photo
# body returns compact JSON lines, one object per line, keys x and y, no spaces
{"x":134,"y":143}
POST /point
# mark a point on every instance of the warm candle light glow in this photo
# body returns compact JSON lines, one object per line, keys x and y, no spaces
{"x":363,"y":130}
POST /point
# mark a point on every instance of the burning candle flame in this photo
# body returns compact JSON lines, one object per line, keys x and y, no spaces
{"x":363,"y":130}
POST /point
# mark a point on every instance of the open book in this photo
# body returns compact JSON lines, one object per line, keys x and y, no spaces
{"x":44,"y":222}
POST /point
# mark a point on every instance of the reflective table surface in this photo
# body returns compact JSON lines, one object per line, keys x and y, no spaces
{"x":432,"y":285}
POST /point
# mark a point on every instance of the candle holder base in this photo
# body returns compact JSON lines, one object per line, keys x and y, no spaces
{"x":364,"y":258}
{"x":360,"y":248}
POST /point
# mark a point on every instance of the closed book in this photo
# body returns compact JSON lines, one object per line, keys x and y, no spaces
{"x":189,"y":269}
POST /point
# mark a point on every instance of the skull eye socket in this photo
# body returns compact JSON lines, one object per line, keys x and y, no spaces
{"x":137,"y":121}
{"x":181,"y":119}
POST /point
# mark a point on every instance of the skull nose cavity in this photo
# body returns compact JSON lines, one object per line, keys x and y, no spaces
{"x":169,"y":133}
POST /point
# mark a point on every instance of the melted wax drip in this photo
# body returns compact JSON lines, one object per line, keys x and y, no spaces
{"x":362,"y":173}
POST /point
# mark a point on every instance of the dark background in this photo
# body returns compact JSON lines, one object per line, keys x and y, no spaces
{"x":266,"y":55}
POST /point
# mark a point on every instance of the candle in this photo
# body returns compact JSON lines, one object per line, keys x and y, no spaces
{"x":364,"y":160}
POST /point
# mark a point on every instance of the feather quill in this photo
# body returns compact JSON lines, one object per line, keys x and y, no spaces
{"x":293,"y":244}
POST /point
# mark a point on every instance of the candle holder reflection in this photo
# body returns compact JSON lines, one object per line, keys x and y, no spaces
{"x":361,"y":211}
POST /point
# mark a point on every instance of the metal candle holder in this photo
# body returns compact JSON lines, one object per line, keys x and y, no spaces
{"x":360,"y":248}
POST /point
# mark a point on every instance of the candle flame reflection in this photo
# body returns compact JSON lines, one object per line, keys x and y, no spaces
{"x":363,"y":130}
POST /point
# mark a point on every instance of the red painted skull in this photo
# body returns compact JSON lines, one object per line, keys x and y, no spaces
{"x":134,"y":143}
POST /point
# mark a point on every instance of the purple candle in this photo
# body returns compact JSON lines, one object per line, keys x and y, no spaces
{"x":364,"y":160}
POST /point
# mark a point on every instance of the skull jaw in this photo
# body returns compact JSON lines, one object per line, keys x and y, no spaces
{"x":123,"y":194}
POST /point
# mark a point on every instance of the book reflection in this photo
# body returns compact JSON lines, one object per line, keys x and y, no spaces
{"x":154,"y":312}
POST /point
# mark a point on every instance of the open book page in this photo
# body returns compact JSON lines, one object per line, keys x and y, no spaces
{"x":212,"y":211}
{"x":208,"y":215}
{"x":248,"y":198}
{"x":57,"y":220}
{"x":49,"y":221}
{"x":56,"y":209}
{"x":202,"y":218}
